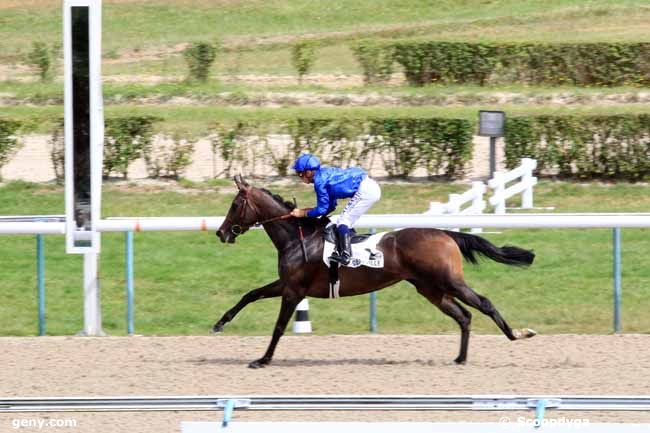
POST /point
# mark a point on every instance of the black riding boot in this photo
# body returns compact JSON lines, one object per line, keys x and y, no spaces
{"x":344,"y":247}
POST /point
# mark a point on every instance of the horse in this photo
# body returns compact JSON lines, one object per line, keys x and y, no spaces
{"x":429,"y":259}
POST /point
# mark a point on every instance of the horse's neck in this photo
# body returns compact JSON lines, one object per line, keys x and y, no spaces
{"x":285,"y":233}
{"x":278,"y":233}
{"x":281,"y":232}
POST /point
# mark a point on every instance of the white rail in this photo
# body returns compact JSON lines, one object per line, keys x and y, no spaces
{"x":457,"y":204}
{"x":537,"y":221}
{"x":401,"y":402}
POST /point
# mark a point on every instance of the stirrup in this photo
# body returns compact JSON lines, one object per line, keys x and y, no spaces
{"x":335,"y":257}
{"x":345,"y":260}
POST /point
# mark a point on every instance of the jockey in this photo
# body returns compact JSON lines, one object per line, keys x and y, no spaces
{"x":330,"y":184}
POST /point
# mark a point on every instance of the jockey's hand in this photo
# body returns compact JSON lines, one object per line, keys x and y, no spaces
{"x":299,"y":213}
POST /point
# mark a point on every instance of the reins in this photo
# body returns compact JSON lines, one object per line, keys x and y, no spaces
{"x":238,"y":229}
{"x":270,"y":220}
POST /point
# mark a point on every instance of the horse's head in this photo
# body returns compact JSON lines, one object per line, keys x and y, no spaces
{"x":241,"y":215}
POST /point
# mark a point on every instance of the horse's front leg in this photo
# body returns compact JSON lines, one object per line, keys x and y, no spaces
{"x":271,"y":290}
{"x":289,"y":303}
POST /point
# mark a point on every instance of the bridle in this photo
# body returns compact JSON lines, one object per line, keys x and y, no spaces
{"x":237,"y":229}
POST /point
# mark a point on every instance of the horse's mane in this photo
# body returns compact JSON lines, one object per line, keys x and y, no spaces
{"x":309,"y":224}
{"x":278,"y":198}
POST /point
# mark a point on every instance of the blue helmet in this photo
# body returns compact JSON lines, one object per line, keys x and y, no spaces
{"x":306,"y":162}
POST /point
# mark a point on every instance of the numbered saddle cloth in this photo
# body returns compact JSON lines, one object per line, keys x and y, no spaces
{"x":364,"y":251}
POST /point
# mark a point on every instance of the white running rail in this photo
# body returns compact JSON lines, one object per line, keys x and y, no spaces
{"x":334,"y":402}
{"x":513,"y":221}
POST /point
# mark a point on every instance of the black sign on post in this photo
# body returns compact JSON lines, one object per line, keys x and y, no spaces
{"x":492,"y":124}
{"x":84,"y":123}
{"x":81,"y":120}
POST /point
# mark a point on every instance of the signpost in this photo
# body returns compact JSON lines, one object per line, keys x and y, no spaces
{"x":492,"y":124}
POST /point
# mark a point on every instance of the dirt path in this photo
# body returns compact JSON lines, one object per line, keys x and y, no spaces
{"x":324,"y":365}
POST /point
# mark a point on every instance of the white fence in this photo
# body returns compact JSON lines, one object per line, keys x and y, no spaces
{"x":502,"y":192}
{"x":470,"y":202}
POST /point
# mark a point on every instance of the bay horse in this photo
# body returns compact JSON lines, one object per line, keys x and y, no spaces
{"x":430,"y":259}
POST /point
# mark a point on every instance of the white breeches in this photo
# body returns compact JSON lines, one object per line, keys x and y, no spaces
{"x":367,"y":194}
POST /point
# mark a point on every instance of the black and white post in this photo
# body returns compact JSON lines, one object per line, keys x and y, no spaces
{"x":301,"y":323}
{"x":84,"y":138}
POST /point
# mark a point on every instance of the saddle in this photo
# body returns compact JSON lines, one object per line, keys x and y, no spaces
{"x":329,"y":235}
{"x":364,"y":253}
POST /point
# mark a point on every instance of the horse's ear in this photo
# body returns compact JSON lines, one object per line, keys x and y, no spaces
{"x":238,"y":181}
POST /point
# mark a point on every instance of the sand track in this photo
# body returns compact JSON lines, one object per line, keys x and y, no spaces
{"x":363,"y":364}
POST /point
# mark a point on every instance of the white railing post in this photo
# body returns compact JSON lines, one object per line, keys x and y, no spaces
{"x":478,"y":203}
{"x":528,"y":179}
{"x":435,"y":208}
{"x":473,"y":197}
{"x":498,"y":184}
{"x":453,"y":207}
{"x":502,"y":192}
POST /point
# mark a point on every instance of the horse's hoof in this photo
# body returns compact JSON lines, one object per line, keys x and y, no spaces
{"x":459,"y":361}
{"x":260,"y":363}
{"x":529,"y":333}
{"x":523,"y":333}
{"x":217,"y":328}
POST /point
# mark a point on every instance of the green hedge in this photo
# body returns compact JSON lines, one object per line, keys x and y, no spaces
{"x":125,"y":140}
{"x":580,"y":64}
{"x":440,"y":146}
{"x":376,"y":60}
{"x":8,"y":140}
{"x":613,"y":147}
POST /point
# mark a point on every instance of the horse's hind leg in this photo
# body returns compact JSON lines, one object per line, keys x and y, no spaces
{"x":453,"y":309}
{"x":269,"y":291}
{"x":485,"y":306}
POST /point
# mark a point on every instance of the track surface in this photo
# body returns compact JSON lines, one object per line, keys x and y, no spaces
{"x":325,"y":365}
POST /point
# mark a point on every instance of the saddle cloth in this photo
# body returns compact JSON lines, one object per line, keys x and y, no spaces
{"x":363,"y":253}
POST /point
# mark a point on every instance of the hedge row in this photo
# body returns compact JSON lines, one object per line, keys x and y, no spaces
{"x":440,"y":146}
{"x":580,"y":64}
{"x":125,"y":140}
{"x":583,"y":147}
{"x":580,"y":147}
{"x":8,"y":140}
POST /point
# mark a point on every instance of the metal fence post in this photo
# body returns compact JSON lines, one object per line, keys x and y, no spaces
{"x":373,"y":304}
{"x":129,"y":283}
{"x":40,"y":271}
{"x":617,"y":280}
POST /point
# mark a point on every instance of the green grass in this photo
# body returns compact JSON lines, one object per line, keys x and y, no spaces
{"x":143,"y":24}
{"x":142,"y":38}
{"x":185,"y":280}
{"x":122,"y":94}
{"x":197,"y":120}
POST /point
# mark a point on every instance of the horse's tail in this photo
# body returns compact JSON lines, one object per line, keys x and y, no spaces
{"x":507,"y":254}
